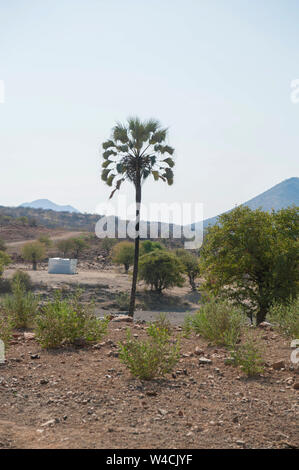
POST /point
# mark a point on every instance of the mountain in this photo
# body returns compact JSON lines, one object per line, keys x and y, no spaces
{"x":48,"y":205}
{"x":278,"y":197}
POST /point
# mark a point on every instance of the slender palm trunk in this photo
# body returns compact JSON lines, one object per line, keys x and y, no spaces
{"x":136,"y":254}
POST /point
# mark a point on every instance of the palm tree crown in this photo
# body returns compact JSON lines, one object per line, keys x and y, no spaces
{"x":136,"y":150}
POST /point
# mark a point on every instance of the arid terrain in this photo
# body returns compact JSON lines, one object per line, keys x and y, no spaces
{"x":85,"y":397}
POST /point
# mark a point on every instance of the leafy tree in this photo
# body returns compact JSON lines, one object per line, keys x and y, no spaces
{"x":251,"y":257}
{"x":135,"y":151}
{"x":33,"y":252}
{"x":78,"y":245}
{"x":4,"y":261}
{"x":2,"y":245}
{"x":191,"y":263}
{"x":147,"y":246}
{"x":65,"y":247}
{"x":161,"y":270}
{"x":123,"y":253}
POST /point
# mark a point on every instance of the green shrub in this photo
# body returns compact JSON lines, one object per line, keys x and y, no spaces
{"x":21,"y":306}
{"x":33,"y":253}
{"x":286,"y":318}
{"x":161,"y":270}
{"x":219,"y":322}
{"x":150,"y":358}
{"x":123,"y":253}
{"x":23,"y":278}
{"x":248,"y":356}
{"x":163,"y":323}
{"x":6,"y":328}
{"x":68,"y":321}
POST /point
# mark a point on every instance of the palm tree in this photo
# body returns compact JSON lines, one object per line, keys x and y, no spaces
{"x":135,"y":151}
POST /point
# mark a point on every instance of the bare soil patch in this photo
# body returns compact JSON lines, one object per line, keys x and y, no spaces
{"x":85,"y":398}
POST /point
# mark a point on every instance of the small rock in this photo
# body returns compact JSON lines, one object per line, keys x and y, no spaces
{"x":198,"y":351}
{"x":44,"y":381}
{"x":35,"y":356}
{"x":296,"y":386}
{"x":204,"y":360}
{"x":162,"y":412}
{"x":278,"y":365}
{"x":120,"y":318}
{"x":151,"y":393}
{"x":29,"y":336}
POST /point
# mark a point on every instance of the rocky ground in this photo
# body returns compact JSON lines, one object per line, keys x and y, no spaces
{"x":85,"y":398}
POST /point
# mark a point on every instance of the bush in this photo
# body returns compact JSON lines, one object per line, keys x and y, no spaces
{"x":191,"y":264}
{"x":6,"y":327}
{"x":33,"y":252}
{"x":123,"y":253}
{"x":66,"y":322}
{"x":154,"y":357}
{"x":161,"y":270}
{"x":219,"y":322}
{"x":23,"y":278}
{"x":147,"y":246}
{"x":248,"y":356}
{"x":286,"y":318}
{"x":21,"y":306}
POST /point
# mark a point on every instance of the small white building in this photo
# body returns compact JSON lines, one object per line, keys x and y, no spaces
{"x":62,"y":266}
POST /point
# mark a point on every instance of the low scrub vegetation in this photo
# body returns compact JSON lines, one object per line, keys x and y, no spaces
{"x":68,"y":322}
{"x":123,"y":253}
{"x":23,"y":278}
{"x":153,"y":357}
{"x":21,"y":306}
{"x":285,"y":317}
{"x":6,"y":328}
{"x":248,"y":356}
{"x":219,"y":322}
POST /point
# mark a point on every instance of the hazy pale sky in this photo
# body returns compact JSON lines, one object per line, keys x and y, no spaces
{"x":216,"y":72}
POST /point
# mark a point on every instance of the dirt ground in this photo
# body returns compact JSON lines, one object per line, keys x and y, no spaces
{"x":86,"y":398}
{"x":103,"y":284}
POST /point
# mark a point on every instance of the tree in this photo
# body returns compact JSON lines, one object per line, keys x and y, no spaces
{"x":123,"y":253}
{"x":191,"y":264}
{"x":78,"y":245}
{"x":147,"y":246}
{"x":33,"y":252}
{"x":4,"y":261}
{"x":135,"y":151}
{"x":161,"y":270}
{"x":65,"y":247}
{"x":251,"y":257}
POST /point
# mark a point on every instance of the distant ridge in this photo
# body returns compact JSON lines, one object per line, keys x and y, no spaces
{"x":278,"y":197}
{"x":48,"y":205}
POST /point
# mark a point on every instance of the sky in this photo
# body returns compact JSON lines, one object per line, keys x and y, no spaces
{"x":217,"y":73}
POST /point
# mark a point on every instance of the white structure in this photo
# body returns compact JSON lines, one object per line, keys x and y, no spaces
{"x":62,"y":266}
